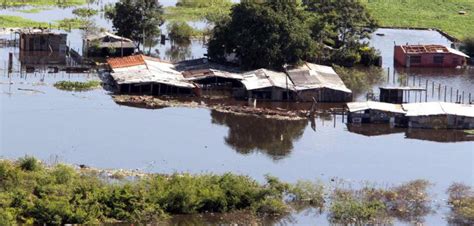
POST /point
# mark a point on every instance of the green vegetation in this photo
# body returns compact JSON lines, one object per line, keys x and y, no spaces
{"x":268,"y":34}
{"x":16,"y":21}
{"x":77,"y":86}
{"x":84,"y":12}
{"x":136,"y":19}
{"x":263,"y":35}
{"x":32,"y":193}
{"x":194,"y":10}
{"x":8,"y":3}
{"x":33,"y":10}
{"x":181,"y":32}
{"x":469,"y":132}
{"x":409,"y":202}
{"x":70,"y":23}
{"x":360,"y":80}
{"x":442,"y":14}
{"x":461,"y":199}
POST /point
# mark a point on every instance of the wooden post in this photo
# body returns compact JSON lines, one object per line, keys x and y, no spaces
{"x":10,"y":62}
{"x":451,"y":95}
{"x":445,"y":91}
{"x":426,"y":91}
{"x":439,"y":91}
{"x":462,"y":97}
{"x":432,"y":89}
{"x":470,"y":98}
{"x":457,"y":95}
{"x":388,"y":74}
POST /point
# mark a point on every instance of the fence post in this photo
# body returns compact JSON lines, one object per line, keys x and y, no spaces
{"x":426,"y":91}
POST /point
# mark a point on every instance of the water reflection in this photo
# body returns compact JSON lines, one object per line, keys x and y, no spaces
{"x":179,"y":51}
{"x":248,"y":134}
{"x":443,"y":136}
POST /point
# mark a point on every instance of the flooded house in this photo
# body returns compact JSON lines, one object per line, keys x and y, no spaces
{"x":429,"y":56}
{"x":107,"y":44}
{"x":42,"y":40}
{"x":319,"y":82}
{"x":439,"y":115}
{"x":139,"y":74}
{"x":375,"y":112}
{"x":265,"y":84}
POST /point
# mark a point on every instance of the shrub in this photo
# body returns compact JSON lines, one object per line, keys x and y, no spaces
{"x":77,"y":86}
{"x":468,"y":46}
{"x":29,"y":163}
{"x":461,"y":200}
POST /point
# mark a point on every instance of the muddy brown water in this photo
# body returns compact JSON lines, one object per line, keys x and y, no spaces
{"x":90,"y":128}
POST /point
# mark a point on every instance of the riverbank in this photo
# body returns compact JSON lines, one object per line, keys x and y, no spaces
{"x":35,"y":193}
{"x":452,"y":17}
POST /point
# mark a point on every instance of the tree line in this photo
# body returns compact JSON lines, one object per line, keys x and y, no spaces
{"x":269,"y":34}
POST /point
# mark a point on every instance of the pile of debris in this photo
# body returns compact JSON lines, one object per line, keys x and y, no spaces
{"x":154,"y":103}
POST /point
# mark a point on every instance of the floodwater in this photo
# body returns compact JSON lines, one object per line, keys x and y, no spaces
{"x":90,"y":128}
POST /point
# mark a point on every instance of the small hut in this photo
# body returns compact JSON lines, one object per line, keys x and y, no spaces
{"x":396,"y":95}
{"x":42,"y":40}
{"x":319,"y":82}
{"x":375,"y":112}
{"x":107,"y":44}
{"x":268,"y":85}
{"x":140,"y":74}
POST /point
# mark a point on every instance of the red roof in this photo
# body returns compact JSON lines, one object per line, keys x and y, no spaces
{"x":129,"y":61}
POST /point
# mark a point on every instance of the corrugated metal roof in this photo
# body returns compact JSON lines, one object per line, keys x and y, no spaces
{"x":411,"y":88}
{"x":438,"y":108}
{"x":143,"y":69}
{"x":457,"y":52}
{"x":372,"y":105}
{"x":198,"y":74}
{"x":314,"y":76}
{"x":124,"y":62}
{"x":263,"y":78}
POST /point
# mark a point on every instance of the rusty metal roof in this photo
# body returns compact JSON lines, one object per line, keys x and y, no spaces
{"x":129,"y":61}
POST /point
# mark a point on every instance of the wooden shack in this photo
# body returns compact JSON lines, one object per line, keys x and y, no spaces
{"x":429,"y":56}
{"x":42,"y":40}
{"x":318,"y":82}
{"x":106,"y":44}
{"x":141,"y":74}
{"x":264,"y":84}
{"x":376,"y":112}
{"x":396,"y":95}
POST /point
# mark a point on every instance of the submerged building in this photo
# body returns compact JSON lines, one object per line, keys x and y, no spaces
{"x":42,"y":40}
{"x":430,"y":115}
{"x":140,"y":74}
{"x":429,"y":56}
{"x":107,"y":44}
{"x":268,"y":85}
{"x":318,"y":82}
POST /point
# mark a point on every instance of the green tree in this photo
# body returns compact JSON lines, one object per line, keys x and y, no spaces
{"x":136,"y":19}
{"x":265,"y":34}
{"x":342,"y":25}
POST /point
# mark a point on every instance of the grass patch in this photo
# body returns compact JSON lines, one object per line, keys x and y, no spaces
{"x":17,"y":21}
{"x":9,"y":3}
{"x":77,"y":86}
{"x":471,"y":132}
{"x":33,"y":10}
{"x":408,"y":202}
{"x":196,"y":10}
{"x":442,"y":14}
